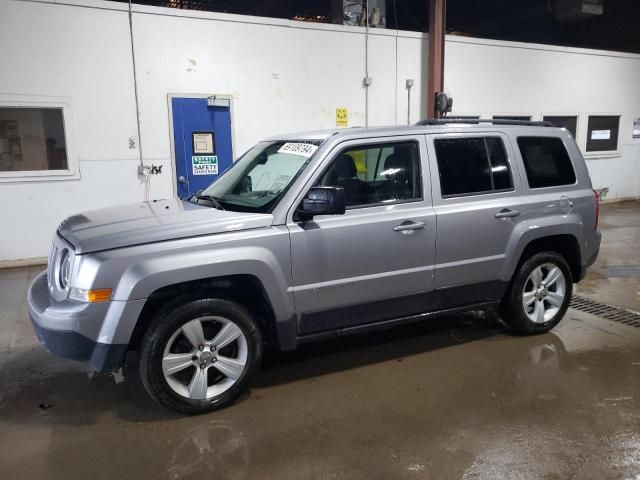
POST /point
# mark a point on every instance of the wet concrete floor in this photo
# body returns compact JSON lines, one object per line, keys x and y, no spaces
{"x":449,"y":398}
{"x":615,"y":277}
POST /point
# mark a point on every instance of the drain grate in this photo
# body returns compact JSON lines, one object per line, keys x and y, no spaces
{"x":608,"y":312}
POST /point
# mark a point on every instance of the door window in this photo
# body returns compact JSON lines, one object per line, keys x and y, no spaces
{"x":546,"y":162}
{"x":377,"y":174}
{"x":472,"y":165}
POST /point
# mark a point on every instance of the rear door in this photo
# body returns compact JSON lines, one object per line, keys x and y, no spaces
{"x":375,"y":262}
{"x":477,"y":195}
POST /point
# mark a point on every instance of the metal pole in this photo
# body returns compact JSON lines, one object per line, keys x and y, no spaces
{"x":366,"y":68}
{"x":435,"y":61}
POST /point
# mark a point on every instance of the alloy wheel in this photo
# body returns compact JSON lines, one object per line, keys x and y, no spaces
{"x":544,"y":293}
{"x":205,"y":357}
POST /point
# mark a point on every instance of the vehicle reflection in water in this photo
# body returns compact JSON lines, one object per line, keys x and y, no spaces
{"x":216,"y":450}
{"x":546,"y":355}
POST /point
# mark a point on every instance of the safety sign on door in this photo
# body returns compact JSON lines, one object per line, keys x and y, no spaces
{"x":205,"y":164}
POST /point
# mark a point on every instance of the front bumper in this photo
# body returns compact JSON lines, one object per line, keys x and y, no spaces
{"x":70,"y":329}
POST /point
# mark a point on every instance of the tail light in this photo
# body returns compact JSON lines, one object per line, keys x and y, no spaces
{"x":597,"y":195}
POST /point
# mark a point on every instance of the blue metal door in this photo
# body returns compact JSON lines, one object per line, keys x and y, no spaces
{"x":202,"y":142}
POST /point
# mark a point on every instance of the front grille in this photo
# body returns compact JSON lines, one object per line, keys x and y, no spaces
{"x":606,"y":311}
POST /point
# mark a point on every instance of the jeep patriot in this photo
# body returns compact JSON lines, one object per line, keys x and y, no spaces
{"x":313,"y":235}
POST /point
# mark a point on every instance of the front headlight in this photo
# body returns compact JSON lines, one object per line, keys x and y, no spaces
{"x":65,"y":269}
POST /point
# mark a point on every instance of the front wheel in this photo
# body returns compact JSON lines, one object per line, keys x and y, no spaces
{"x":199,"y":356}
{"x":539,"y":294}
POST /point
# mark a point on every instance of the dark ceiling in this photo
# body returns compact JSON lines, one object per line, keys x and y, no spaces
{"x":532,"y":21}
{"x":515,"y":20}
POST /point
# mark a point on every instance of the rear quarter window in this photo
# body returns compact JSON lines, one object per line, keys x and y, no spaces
{"x":546,"y":162}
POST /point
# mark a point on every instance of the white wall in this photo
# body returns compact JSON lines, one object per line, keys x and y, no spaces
{"x":282,"y":76}
{"x":80,"y":57}
{"x":487,"y":77}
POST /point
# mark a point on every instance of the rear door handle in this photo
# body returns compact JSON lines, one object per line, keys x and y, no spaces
{"x":506,"y":213}
{"x":408,"y":227}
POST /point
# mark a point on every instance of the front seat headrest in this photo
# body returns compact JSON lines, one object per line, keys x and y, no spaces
{"x":398,"y":165}
{"x":345,"y":167}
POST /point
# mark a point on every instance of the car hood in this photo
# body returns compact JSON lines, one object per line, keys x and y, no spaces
{"x":153,"y":221}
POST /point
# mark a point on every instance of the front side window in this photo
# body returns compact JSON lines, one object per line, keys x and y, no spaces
{"x":546,"y":162}
{"x":32,"y":139}
{"x":257,"y":180}
{"x":374,"y":174}
{"x":472,"y":166}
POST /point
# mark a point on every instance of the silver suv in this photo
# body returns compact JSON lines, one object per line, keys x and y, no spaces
{"x":312,"y":235}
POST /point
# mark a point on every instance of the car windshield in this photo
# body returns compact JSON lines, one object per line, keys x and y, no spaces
{"x":257,"y":180}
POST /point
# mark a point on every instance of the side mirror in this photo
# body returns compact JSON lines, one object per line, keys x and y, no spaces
{"x":321,"y":201}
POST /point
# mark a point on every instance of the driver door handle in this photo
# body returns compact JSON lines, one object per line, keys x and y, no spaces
{"x":408,"y":227}
{"x":506,"y":213}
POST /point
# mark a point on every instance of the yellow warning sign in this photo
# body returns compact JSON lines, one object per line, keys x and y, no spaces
{"x":341,"y":117}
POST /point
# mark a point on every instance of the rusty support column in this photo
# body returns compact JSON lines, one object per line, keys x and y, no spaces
{"x":435,"y":63}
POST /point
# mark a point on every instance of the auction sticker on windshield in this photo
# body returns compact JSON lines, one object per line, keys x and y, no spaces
{"x":296,"y":148}
{"x":205,"y":164}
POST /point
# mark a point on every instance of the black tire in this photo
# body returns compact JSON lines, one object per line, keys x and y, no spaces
{"x":166,"y":323}
{"x":512,"y":309}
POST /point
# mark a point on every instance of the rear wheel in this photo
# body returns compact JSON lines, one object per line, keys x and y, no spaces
{"x":539,"y":294}
{"x":200,"y":356}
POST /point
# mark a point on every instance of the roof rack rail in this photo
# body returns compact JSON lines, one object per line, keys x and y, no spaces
{"x":476,"y":121}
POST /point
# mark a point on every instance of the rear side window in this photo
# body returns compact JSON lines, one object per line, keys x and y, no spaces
{"x":472,"y":165}
{"x":546,"y":161}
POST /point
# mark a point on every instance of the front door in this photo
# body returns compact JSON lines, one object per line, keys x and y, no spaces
{"x":202,"y":142}
{"x":375,"y":262}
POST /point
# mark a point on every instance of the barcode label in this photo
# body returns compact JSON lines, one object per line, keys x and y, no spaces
{"x":295,"y":148}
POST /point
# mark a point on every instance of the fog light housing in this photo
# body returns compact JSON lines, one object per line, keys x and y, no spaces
{"x":90,"y":296}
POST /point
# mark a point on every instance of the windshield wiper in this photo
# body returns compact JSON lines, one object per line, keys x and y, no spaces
{"x":207,"y":198}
